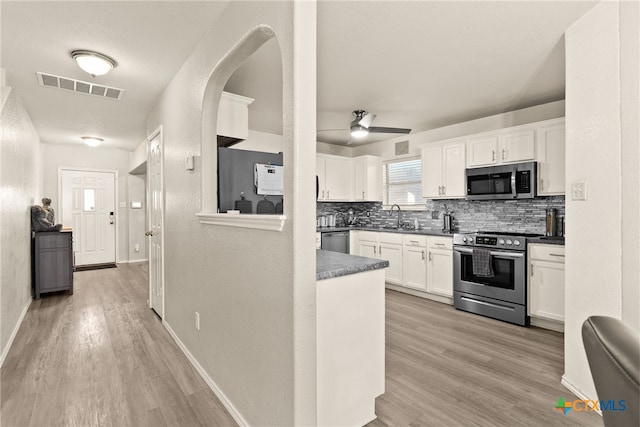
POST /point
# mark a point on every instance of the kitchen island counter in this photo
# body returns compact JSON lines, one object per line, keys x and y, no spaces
{"x":335,"y":264}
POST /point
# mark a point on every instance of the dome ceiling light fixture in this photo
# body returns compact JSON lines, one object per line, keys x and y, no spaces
{"x":92,"y":62}
{"x":92,"y":141}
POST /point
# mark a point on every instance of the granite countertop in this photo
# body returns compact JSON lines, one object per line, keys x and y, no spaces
{"x":422,"y":231}
{"x":335,"y":264}
{"x":547,"y":240}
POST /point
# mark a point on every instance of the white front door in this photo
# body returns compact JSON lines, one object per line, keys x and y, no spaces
{"x":156,"y":217}
{"x":88,"y":206}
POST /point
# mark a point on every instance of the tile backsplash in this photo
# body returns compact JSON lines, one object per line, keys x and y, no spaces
{"x":525,"y":216}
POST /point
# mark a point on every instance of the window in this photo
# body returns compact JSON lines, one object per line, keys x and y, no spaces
{"x":402,"y":182}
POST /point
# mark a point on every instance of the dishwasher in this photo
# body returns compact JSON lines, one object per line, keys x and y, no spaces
{"x":336,"y":241}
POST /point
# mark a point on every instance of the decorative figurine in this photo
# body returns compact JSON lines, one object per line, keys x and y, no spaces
{"x":43,"y":217}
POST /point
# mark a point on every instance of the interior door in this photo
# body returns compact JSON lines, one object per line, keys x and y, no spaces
{"x":156,"y":219}
{"x":88,"y":206}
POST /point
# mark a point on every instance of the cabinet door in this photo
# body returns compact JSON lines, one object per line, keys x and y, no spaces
{"x":415,"y":267}
{"x":440,"y":272}
{"x":551,"y":160}
{"x":367,"y":179}
{"x":338,"y":178}
{"x":360,"y":179}
{"x":393,"y":254}
{"x":453,"y":157}
{"x":432,"y":172}
{"x":368,"y":249}
{"x":318,"y":241}
{"x":518,"y":146}
{"x":320,"y":172}
{"x":546,"y":290}
{"x":482,"y":151}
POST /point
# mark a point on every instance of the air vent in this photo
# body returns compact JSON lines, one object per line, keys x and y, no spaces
{"x":79,"y":86}
{"x":402,"y":148}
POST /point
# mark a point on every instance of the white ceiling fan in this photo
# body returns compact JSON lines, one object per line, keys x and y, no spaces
{"x":361,"y":127}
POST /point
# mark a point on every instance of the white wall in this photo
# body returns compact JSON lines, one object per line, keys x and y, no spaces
{"x":598,"y":248}
{"x":386,"y":149}
{"x":76,"y":155}
{"x":20,"y":178}
{"x":136,"y":192}
{"x":138,"y":159}
{"x":254,"y":289}
{"x":336,"y":150}
{"x":261,"y":141}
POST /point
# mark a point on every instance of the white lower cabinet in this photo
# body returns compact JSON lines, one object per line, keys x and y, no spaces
{"x":392,"y":252}
{"x":440,"y":266}
{"x":546,"y":283}
{"x":415,"y":262}
{"x":419,"y":265}
{"x":318,"y":240}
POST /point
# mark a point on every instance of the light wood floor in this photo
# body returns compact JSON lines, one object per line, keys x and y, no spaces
{"x":102,"y":357}
{"x":451,"y":368}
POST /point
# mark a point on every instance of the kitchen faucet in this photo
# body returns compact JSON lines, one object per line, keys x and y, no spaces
{"x":399,"y":214}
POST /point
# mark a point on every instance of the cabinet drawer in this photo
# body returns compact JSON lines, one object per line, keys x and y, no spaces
{"x":553,"y":253}
{"x":413,"y":240}
{"x":440,"y":243}
{"x":370,"y":236}
{"x":54,"y":241}
{"x":393,"y":238}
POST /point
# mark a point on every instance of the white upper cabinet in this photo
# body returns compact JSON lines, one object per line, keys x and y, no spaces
{"x":443,"y":170}
{"x":233,"y":116}
{"x":503,"y":147}
{"x":482,"y":151}
{"x":551,"y":159}
{"x":335,"y":178}
{"x":367,"y":179}
{"x":519,"y":146}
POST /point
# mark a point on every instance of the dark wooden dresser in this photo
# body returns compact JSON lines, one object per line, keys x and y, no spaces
{"x":52,"y":262}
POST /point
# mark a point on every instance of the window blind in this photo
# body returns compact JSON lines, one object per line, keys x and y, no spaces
{"x":402,"y":182}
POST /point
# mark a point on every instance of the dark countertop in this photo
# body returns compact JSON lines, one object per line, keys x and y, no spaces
{"x":547,"y":240}
{"x":422,"y":231}
{"x":335,"y":264}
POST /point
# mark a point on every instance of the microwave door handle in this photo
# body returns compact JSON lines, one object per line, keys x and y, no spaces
{"x":514,"y":191}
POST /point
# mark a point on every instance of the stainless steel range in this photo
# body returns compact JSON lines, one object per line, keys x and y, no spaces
{"x":498,"y":290}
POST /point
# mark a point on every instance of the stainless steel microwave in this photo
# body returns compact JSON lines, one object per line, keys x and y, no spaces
{"x":516,"y":181}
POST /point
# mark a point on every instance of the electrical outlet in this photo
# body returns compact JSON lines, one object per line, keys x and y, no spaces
{"x":197,"y":321}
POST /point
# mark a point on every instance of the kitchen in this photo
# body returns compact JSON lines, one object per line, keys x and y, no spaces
{"x":227,"y":274}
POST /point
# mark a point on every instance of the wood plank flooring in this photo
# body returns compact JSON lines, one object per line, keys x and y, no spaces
{"x":101,"y":357}
{"x":451,"y":368}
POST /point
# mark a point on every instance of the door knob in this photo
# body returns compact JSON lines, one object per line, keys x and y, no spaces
{"x":111,"y":222}
{"x":149,"y":233}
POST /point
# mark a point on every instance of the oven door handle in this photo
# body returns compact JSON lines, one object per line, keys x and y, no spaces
{"x":500,"y":254}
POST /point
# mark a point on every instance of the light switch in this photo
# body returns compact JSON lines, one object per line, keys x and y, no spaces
{"x":579,"y":190}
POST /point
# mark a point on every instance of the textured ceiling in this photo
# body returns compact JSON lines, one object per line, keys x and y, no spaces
{"x":416,"y":64}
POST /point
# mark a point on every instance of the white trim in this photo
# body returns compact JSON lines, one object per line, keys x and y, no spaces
{"x":417,"y":293}
{"x":5,"y":351}
{"x":131,"y":261}
{"x":552,"y":325}
{"x":207,"y":379}
{"x":116,"y":196}
{"x":260,"y":222}
{"x":160,"y":134}
{"x":575,"y":390}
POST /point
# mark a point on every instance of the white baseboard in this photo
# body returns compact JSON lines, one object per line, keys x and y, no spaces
{"x":212,"y":385}
{"x":418,"y":293}
{"x":133,"y":260}
{"x":547,"y":324}
{"x":5,"y":351}
{"x":579,"y":393}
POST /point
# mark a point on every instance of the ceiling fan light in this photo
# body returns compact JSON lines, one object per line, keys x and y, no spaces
{"x":93,"y":63}
{"x":92,"y":141}
{"x":359,"y":131}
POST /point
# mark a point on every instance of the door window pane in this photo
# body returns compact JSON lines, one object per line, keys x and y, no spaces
{"x":89,"y":200}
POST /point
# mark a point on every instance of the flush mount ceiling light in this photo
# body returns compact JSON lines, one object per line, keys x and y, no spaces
{"x":92,"y":62}
{"x":92,"y":141}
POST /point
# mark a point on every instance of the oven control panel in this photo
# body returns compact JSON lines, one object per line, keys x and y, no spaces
{"x":515,"y":243}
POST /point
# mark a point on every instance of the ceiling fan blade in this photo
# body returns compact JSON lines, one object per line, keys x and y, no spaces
{"x":367,"y":120}
{"x":332,"y":130}
{"x":388,"y":130}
